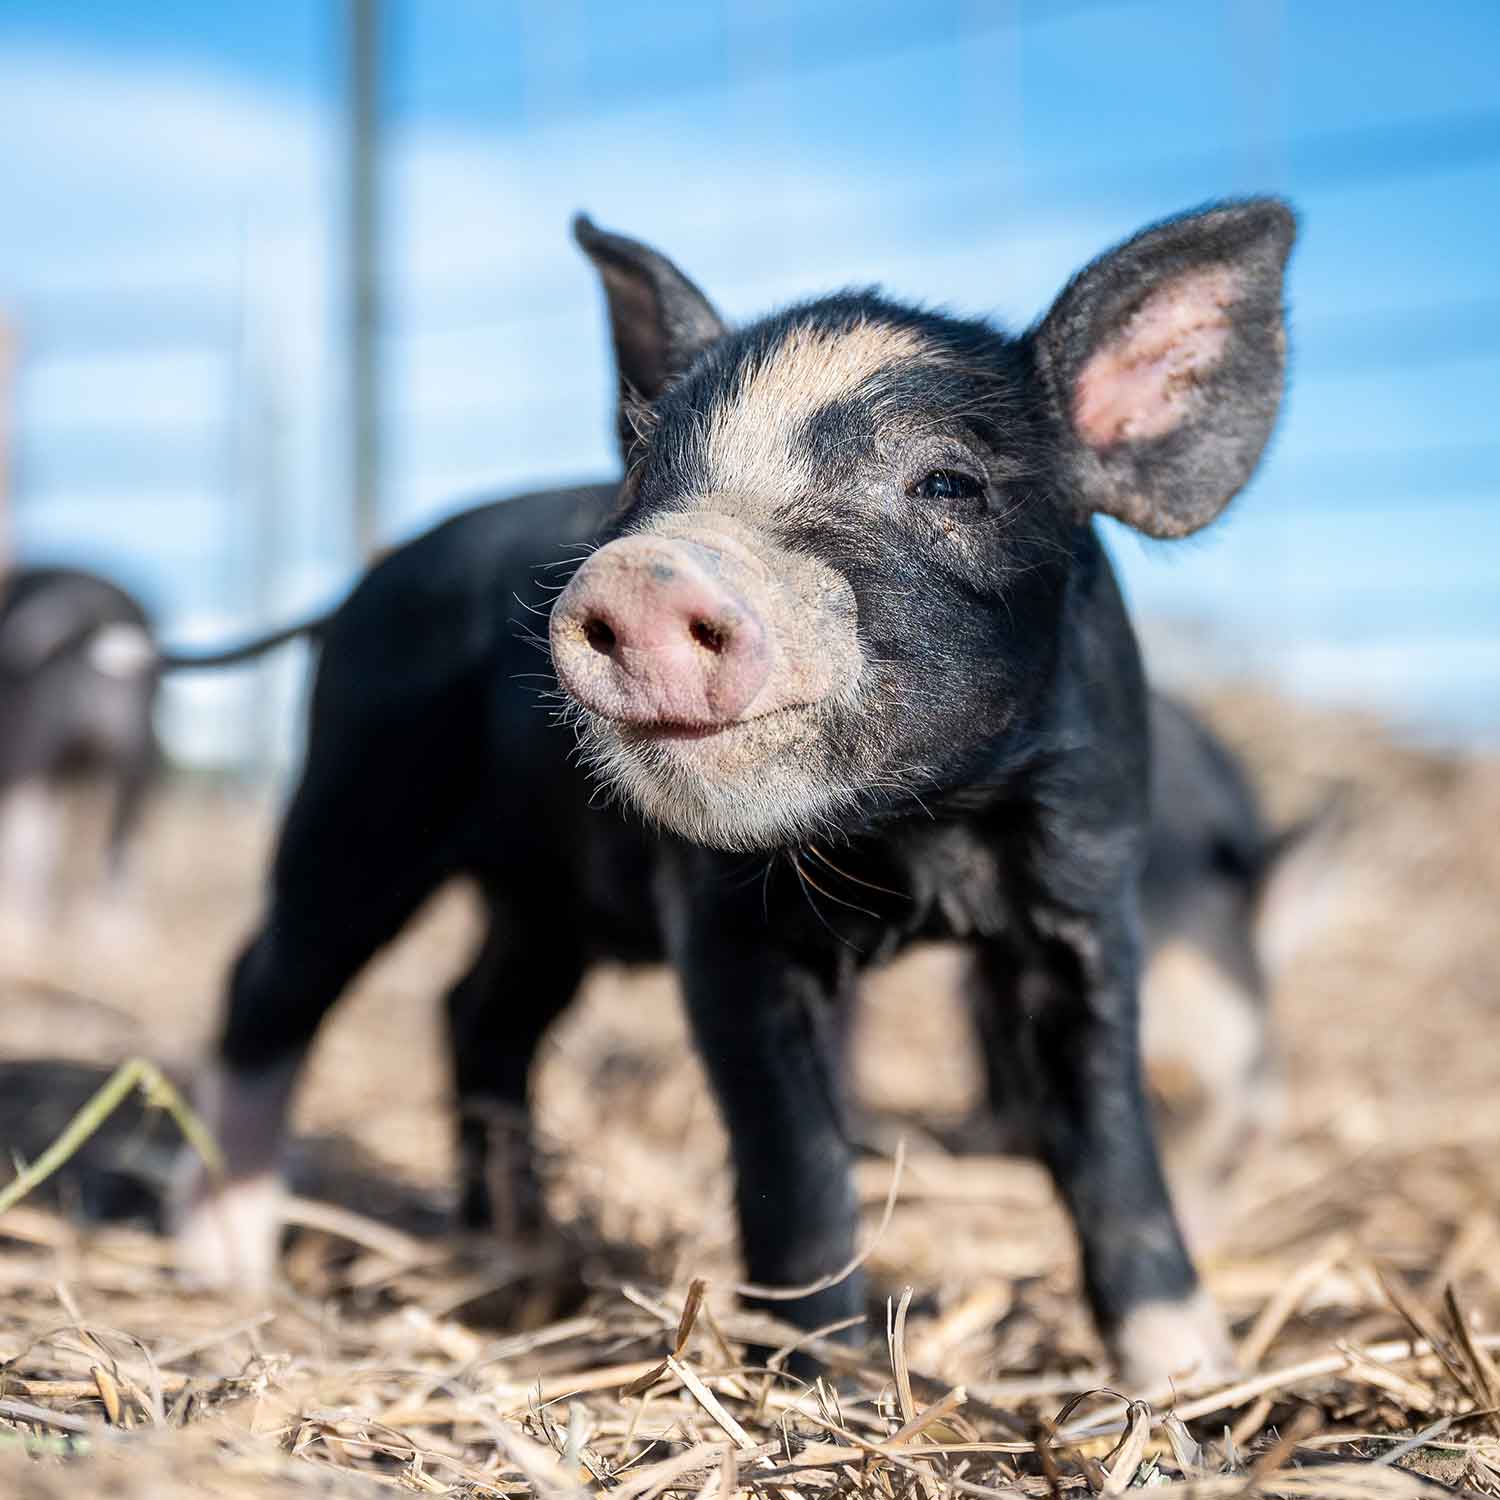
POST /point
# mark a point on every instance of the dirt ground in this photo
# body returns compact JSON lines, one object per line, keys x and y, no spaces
{"x":1360,"y":1265}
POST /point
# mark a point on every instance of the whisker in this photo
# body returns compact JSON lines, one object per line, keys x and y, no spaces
{"x":869,"y":885}
{"x":822,"y":891}
{"x":813,"y":905}
{"x":542,"y":614}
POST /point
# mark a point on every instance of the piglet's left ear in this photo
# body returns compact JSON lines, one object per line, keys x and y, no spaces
{"x":1163,"y":363}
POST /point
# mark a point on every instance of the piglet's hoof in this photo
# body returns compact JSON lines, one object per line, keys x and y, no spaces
{"x":227,"y":1238}
{"x":1162,"y":1346}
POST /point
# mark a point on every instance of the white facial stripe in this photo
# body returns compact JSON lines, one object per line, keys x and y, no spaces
{"x":751,"y":439}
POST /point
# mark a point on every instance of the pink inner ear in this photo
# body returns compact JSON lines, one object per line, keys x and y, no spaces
{"x":1142,"y":382}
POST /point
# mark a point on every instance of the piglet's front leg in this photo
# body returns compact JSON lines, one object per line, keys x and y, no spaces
{"x":1068,"y":1001}
{"x":767,"y":1028}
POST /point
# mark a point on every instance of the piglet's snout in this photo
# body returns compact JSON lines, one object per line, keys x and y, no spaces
{"x":648,"y":633}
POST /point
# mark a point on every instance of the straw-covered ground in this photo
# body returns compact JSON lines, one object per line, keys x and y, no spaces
{"x":1360,"y":1266}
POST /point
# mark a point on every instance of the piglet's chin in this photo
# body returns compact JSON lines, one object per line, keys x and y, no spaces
{"x":756,"y":784}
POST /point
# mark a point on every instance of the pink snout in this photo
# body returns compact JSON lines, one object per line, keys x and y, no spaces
{"x":649,"y":633}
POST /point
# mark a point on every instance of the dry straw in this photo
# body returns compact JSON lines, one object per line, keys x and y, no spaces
{"x":1359,"y":1262}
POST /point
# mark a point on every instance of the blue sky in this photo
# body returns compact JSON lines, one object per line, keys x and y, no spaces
{"x":172,"y":231}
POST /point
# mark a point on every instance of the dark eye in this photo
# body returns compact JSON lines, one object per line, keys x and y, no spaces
{"x":947,"y":485}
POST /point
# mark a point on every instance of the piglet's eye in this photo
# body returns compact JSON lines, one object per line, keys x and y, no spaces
{"x":947,"y":484}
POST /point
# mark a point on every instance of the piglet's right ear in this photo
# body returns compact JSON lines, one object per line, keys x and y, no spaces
{"x":659,"y":319}
{"x":1163,"y":363}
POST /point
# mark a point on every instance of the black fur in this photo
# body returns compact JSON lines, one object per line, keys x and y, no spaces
{"x":657,"y":316}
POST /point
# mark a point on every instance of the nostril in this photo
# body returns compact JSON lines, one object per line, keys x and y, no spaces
{"x":711,"y":637}
{"x":599,"y":635}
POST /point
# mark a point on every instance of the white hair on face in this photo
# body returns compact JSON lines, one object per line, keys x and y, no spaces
{"x":782,"y":794}
{"x":751,"y":439}
{"x":783,"y":801}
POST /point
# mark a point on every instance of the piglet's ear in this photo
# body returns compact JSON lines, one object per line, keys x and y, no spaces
{"x":659,"y":319}
{"x":1163,"y":362}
